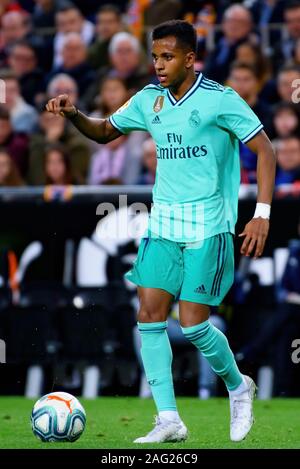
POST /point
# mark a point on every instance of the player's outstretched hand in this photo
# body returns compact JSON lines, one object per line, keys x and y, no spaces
{"x":61,"y":105}
{"x":255,"y":233}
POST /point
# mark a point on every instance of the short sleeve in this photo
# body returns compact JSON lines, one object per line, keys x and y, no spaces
{"x":237,"y":117}
{"x":129,"y":116}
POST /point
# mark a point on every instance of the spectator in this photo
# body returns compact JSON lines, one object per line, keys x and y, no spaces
{"x":125,"y":62}
{"x":191,"y":8}
{"x":295,"y":60}
{"x":57,"y":166}
{"x":16,"y":144}
{"x":55,"y":129}
{"x":112,"y":94}
{"x":124,"y":52}
{"x":44,"y":13}
{"x":69,"y":19}
{"x":288,"y":160}
{"x":203,"y":19}
{"x":14,"y":26}
{"x":22,"y":60}
{"x":286,"y":76}
{"x":244,"y":81}
{"x":9,"y":5}
{"x":17,"y":25}
{"x":135,"y":14}
{"x":266,"y":12}
{"x":149,"y":162}
{"x":251,"y":54}
{"x":280,"y":88}
{"x":118,"y":161}
{"x":158,"y":11}
{"x":74,"y":62}
{"x":43,"y":17}
{"x":108,"y":23}
{"x":286,"y":120}
{"x":9,"y":174}
{"x":236,"y":26}
{"x":283,"y":50}
{"x":24,"y":117}
{"x":63,"y":84}
{"x":141,"y":13}
{"x":108,"y":163}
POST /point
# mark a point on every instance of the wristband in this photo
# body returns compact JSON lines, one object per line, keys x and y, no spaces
{"x":262,"y":210}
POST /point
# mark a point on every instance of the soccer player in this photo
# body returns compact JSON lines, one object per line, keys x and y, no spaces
{"x":187,"y":252}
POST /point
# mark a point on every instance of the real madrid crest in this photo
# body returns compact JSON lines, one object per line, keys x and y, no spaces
{"x":158,"y":104}
{"x":194,"y":119}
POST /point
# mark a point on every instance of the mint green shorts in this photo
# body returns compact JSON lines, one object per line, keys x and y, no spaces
{"x":197,"y":272}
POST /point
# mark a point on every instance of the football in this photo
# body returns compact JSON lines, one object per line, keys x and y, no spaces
{"x":58,"y":417}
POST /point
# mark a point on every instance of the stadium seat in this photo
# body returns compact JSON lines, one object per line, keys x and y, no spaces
{"x":29,"y":334}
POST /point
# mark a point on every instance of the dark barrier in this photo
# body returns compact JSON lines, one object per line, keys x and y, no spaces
{"x":25,"y":211}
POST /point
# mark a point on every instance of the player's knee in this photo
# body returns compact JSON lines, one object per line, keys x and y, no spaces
{"x":202,"y":332}
{"x":150,"y":315}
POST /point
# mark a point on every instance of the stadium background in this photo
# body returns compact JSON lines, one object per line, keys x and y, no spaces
{"x":64,"y":329}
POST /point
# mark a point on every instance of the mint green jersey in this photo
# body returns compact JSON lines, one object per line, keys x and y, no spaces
{"x":197,"y":145}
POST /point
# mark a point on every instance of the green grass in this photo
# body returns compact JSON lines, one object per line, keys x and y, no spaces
{"x":115,"y":422}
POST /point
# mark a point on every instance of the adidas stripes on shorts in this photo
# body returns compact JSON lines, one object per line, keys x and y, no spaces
{"x":198,"y":272}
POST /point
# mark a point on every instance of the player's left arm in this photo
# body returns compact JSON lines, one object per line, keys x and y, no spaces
{"x":256,"y":231}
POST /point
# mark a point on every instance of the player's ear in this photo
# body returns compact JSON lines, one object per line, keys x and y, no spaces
{"x":190,"y":59}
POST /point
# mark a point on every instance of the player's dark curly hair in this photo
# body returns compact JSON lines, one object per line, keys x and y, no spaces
{"x":184,"y":32}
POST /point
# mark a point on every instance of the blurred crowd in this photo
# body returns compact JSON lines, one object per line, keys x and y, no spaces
{"x":99,"y":54}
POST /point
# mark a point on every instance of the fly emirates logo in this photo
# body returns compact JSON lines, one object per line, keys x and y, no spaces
{"x":175,"y":150}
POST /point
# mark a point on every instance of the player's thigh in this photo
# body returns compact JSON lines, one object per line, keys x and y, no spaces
{"x":208,"y":270}
{"x":159,"y":265}
{"x":154,"y":304}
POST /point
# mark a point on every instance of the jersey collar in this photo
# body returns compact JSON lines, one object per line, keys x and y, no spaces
{"x":187,"y":94}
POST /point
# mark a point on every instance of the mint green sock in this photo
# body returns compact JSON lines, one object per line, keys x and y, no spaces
{"x":215,"y":348}
{"x":157,"y":360}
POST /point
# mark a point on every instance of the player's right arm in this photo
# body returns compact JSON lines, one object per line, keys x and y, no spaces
{"x":100,"y":130}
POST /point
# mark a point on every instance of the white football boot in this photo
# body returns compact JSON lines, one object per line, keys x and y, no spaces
{"x":164,"y":431}
{"x":241,"y":412}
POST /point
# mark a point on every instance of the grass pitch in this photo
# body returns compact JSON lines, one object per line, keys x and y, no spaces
{"x":116,"y":422}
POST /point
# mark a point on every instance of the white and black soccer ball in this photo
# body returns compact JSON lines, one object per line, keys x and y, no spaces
{"x":58,"y":417}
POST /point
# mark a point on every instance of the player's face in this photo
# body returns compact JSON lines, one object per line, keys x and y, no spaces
{"x":171,"y":62}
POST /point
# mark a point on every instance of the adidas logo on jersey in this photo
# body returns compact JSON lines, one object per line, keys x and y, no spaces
{"x":156,"y":120}
{"x":200,"y":289}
